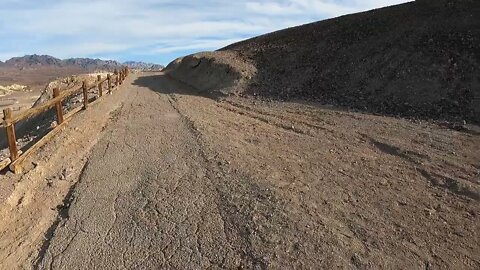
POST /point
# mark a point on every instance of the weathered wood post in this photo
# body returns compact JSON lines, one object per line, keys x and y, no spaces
{"x":100,"y":87}
{"x":85,"y":95}
{"x":58,"y":106}
{"x":121,"y":77}
{"x":109,"y":83}
{"x":10,"y":129}
{"x":116,"y":78}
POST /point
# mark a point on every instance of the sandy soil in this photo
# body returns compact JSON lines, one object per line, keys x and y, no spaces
{"x":31,"y":130}
{"x":31,"y":202}
{"x":18,"y":101}
{"x":178,"y":180}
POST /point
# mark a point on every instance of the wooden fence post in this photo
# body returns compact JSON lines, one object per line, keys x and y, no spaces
{"x":116,"y":78}
{"x":85,"y":95}
{"x":109,"y":83}
{"x":100,"y":87}
{"x":10,"y":129}
{"x":58,"y":106}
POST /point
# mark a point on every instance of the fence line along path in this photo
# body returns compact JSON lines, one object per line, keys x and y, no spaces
{"x":16,"y":159}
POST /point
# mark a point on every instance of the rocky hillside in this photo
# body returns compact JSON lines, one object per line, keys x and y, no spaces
{"x":47,"y":61}
{"x":143,"y":66}
{"x":419,"y":59}
{"x":31,"y":61}
{"x":91,"y":64}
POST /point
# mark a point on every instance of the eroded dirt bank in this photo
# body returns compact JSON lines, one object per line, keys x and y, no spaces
{"x":183,"y":181}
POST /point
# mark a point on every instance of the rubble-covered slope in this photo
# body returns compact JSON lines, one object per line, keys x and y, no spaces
{"x":419,"y":59}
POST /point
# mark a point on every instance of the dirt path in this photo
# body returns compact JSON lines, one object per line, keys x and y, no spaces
{"x":181,"y":181}
{"x":145,"y":199}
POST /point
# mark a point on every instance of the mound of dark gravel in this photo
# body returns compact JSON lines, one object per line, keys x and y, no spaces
{"x":420,"y":59}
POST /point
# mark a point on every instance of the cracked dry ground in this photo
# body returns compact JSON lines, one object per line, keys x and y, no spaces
{"x":182,"y":181}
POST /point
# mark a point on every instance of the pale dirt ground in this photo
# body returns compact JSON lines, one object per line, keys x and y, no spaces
{"x":29,"y":202}
{"x":21,"y":100}
{"x":32,"y":130}
{"x":177,"y":180}
{"x":18,"y":100}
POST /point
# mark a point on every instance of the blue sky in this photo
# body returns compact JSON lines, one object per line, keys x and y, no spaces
{"x":152,"y":30}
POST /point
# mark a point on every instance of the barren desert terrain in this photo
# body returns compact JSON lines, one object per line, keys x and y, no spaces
{"x":350,"y":143}
{"x":168,"y":178}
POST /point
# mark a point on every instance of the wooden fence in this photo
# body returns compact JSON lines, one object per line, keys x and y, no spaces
{"x":16,"y":159}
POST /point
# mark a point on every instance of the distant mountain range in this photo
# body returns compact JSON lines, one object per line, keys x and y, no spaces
{"x":40,"y":61}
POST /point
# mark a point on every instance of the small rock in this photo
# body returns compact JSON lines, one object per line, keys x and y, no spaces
{"x":63,"y":175}
{"x":429,"y":211}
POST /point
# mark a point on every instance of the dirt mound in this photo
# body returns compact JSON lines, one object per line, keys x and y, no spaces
{"x":419,"y":59}
{"x":216,"y":73}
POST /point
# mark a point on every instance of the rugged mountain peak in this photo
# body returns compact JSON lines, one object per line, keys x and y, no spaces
{"x":143,"y":66}
{"x":37,"y":61}
{"x":33,"y":60}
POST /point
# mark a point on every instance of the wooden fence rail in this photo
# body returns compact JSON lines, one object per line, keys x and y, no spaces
{"x":9,"y":120}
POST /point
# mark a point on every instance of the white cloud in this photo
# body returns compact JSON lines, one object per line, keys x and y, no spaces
{"x":196,"y":45}
{"x":298,"y":7}
{"x":68,"y":28}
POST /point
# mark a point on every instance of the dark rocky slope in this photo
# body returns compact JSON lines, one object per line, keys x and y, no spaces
{"x":414,"y":59}
{"x":420,"y":59}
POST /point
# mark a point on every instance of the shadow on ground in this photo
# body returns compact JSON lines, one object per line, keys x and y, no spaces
{"x":164,"y":84}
